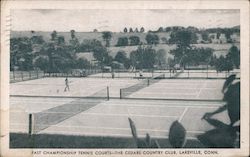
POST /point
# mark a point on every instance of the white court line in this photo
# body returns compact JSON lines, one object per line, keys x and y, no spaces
{"x":115,"y":128}
{"x":166,"y":88}
{"x":105,"y":114}
{"x":203,"y":87}
{"x":35,"y":102}
{"x":132,"y":115}
{"x":106,"y":135}
{"x":183,"y":113}
{"x":162,"y":93}
{"x":164,"y":106}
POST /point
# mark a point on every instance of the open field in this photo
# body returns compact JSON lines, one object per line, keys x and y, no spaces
{"x":219,"y":49}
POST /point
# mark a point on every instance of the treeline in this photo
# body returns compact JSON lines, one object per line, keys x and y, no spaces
{"x":56,"y":55}
{"x":185,"y":54}
{"x":207,"y":35}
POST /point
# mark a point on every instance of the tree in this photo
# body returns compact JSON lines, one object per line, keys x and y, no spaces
{"x":234,"y":56}
{"x":42,"y":63}
{"x":143,"y":57}
{"x":95,"y":30}
{"x":122,"y":58}
{"x":142,"y":30}
{"x":136,"y":30}
{"x":21,"y":53}
{"x":122,"y":41}
{"x":164,"y":40}
{"x":60,"y":58}
{"x":74,"y":43}
{"x":72,"y":33}
{"x":107,"y":59}
{"x":223,"y":64}
{"x":152,"y":39}
{"x":134,"y":40}
{"x":99,"y":51}
{"x":168,"y":29}
{"x":218,"y":35}
{"x":228,"y":36}
{"x":61,"y":40}
{"x":131,"y":30}
{"x":192,"y":29}
{"x":125,"y":30}
{"x":204,"y":36}
{"x":161,"y":57}
{"x":82,"y":63}
{"x":183,"y":39}
{"x":106,"y":37}
{"x":160,"y":29}
{"x":53,"y":35}
{"x":37,"y":40}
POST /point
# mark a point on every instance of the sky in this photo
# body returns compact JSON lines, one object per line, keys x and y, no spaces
{"x":116,"y":20}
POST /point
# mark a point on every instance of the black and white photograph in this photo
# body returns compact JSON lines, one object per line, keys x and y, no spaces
{"x":167,"y":80}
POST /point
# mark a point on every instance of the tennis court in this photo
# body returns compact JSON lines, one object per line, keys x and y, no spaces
{"x":110,"y":118}
{"x":200,"y":89}
{"x":58,"y":112}
{"x":130,"y":74}
{"x":208,"y":74}
{"x":79,"y":87}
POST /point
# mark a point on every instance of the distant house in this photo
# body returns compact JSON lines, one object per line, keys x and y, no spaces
{"x":213,"y":38}
{"x":223,"y":39}
{"x":235,"y":37}
{"x":86,"y":55}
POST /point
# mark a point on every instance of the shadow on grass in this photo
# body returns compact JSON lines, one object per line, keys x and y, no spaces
{"x":20,"y":140}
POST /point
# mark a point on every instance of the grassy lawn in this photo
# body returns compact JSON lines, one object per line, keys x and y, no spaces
{"x":19,"y":140}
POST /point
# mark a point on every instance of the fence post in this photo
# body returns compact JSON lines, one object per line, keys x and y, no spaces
{"x":31,"y":124}
{"x":37,"y":73}
{"x":148,"y":82}
{"x":107,"y":92}
{"x":120,"y":93}
{"x":22,"y":75}
{"x":14,"y":75}
{"x":29,"y":74}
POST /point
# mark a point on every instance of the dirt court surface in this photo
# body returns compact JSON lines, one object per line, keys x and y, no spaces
{"x":68,"y":114}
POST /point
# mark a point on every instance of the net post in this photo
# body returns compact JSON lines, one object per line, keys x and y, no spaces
{"x":31,"y":121}
{"x":120,"y":93}
{"x":107,"y":92}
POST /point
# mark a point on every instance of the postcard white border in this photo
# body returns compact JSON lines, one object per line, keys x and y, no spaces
{"x":6,"y":6}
